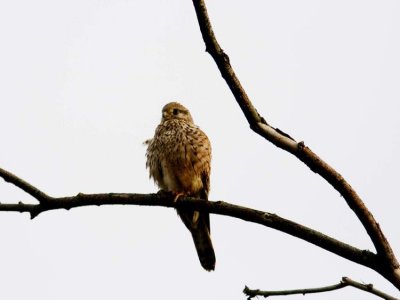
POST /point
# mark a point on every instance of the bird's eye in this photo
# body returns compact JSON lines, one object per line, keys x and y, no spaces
{"x":175,"y":111}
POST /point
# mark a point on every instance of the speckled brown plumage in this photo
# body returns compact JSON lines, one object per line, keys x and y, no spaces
{"x":178,"y":158}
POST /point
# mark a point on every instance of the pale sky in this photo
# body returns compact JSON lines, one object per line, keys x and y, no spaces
{"x":82,"y":86}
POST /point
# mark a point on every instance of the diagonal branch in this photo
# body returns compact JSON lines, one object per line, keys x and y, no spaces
{"x":302,"y":152}
{"x":25,"y":186}
{"x":343,"y":283}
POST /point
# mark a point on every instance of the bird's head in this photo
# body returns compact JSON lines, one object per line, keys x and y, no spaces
{"x":176,"y":111}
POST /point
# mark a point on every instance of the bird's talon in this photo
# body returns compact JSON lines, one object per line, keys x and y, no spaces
{"x":177,"y":196}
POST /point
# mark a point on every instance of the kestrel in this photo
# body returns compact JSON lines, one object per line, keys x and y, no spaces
{"x":178,"y":158}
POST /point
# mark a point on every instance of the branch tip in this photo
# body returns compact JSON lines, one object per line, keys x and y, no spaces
{"x":345,"y":281}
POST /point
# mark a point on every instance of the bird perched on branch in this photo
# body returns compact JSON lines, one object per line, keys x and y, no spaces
{"x":178,"y":158}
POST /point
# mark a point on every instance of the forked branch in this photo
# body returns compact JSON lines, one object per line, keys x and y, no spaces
{"x":363,"y":257}
{"x":343,"y":283}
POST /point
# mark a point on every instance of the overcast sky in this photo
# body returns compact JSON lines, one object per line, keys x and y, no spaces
{"x":82,"y":86}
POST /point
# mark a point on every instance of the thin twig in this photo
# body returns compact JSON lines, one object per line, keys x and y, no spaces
{"x":391,"y":267}
{"x":343,"y":283}
{"x":253,"y":293}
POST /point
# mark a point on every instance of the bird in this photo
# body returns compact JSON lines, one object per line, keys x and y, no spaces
{"x":179,"y":161}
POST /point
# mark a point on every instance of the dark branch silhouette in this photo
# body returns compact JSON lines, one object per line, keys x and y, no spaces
{"x":363,"y":257}
{"x":390,"y":267}
{"x":25,"y":186}
{"x":343,"y":283}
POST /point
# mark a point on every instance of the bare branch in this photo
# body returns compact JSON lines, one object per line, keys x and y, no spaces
{"x":372,"y":227}
{"x":363,"y":257}
{"x":351,"y":253}
{"x":343,"y":283}
{"x":368,"y":288}
{"x":25,"y":186}
{"x":284,"y":141}
{"x":253,"y":293}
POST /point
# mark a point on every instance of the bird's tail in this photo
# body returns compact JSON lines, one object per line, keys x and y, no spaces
{"x":202,"y":242}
